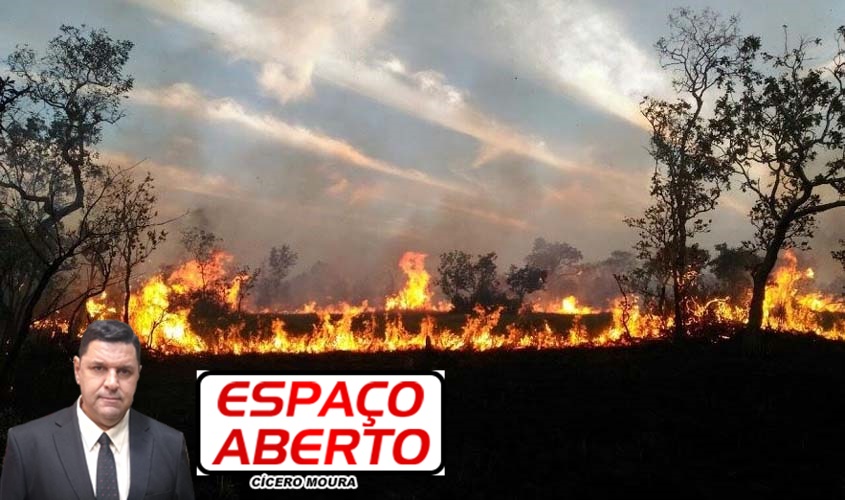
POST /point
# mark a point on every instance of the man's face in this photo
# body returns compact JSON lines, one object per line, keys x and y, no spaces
{"x":107,"y":375}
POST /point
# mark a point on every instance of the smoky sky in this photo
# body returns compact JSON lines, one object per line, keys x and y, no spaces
{"x":354,"y":131}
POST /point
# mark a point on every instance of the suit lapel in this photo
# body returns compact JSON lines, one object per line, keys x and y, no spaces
{"x":140,"y":455}
{"x":69,"y":447}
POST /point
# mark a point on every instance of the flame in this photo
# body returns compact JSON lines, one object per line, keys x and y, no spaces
{"x":98,"y":307}
{"x":566,"y":305}
{"x":162,"y":322}
{"x":154,"y":314}
{"x":786,"y":307}
{"x":415,"y":295}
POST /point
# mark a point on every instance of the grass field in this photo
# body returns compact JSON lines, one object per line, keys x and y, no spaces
{"x":699,"y":419}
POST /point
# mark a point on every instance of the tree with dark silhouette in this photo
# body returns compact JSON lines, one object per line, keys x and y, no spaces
{"x":133,"y":210}
{"x":52,"y":112}
{"x":201,"y":245}
{"x":781,"y":125}
{"x":687,"y":181}
{"x":525,"y":280}
{"x":732,"y":268}
{"x":468,"y":282}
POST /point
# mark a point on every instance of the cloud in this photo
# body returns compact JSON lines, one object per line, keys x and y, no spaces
{"x":173,"y":177}
{"x":577,"y":47}
{"x":287,"y":37}
{"x":426,"y":95}
{"x":329,"y":40}
{"x":185,"y":97}
{"x":488,"y":215}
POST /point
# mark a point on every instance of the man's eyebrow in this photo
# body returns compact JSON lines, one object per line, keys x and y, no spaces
{"x":98,"y":362}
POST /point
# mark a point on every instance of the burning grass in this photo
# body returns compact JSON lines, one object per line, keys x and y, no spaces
{"x":410,"y":320}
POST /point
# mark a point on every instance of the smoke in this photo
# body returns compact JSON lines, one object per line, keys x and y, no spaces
{"x":581,"y":49}
{"x":185,"y":97}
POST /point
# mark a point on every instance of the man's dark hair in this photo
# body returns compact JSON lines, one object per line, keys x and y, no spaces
{"x":110,"y":330}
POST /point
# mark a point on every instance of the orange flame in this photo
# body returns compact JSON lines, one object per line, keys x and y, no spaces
{"x":788,"y":308}
{"x":162,"y":323}
{"x":415,"y":295}
{"x":566,"y":305}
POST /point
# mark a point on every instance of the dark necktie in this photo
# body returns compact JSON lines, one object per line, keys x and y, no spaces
{"x":106,"y":471}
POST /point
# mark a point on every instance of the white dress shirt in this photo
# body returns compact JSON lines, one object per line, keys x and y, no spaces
{"x":119,"y":435}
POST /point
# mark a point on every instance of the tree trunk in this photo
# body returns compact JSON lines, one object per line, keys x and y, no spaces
{"x":678,"y":277}
{"x":752,"y":335}
{"x":126,"y":293}
{"x":21,"y":329}
{"x":678,"y":329}
{"x":758,"y":297}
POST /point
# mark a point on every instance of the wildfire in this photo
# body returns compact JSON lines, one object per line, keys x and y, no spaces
{"x":160,"y":315}
{"x":155,"y":311}
{"x":98,"y":308}
{"x":415,"y":295}
{"x":566,"y":305}
{"x":787,"y":308}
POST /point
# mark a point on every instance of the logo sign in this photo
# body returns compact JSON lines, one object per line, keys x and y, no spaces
{"x":325,"y":422}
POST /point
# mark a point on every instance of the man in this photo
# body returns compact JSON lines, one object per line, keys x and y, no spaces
{"x":99,"y":447}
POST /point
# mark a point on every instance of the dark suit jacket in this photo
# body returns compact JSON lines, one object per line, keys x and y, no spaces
{"x":44,"y":460}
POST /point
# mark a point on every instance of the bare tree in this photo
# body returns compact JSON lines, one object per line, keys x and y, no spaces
{"x":132,"y":208}
{"x":783,"y":131}
{"x":201,"y":245}
{"x":246,"y":280}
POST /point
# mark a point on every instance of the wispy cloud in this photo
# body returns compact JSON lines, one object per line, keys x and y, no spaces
{"x":427,"y":95}
{"x":488,"y":215}
{"x":170,"y":177}
{"x":329,"y":40}
{"x":186,"y":98}
{"x":179,"y":178}
{"x":581,"y":49}
{"x":287,"y":37}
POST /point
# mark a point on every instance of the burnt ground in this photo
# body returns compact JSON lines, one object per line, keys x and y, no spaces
{"x":700,"y":419}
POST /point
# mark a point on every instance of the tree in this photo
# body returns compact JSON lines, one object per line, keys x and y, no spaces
{"x":133,"y":211}
{"x":560,"y":262}
{"x":687,"y":179}
{"x":209,"y":310}
{"x":525,"y":280}
{"x":457,"y":278}
{"x":651,"y":277}
{"x":732,"y":268}
{"x":245,"y":279}
{"x":552,"y":257}
{"x":275,"y":269}
{"x":597,"y":281}
{"x":782,"y":129}
{"x":201,"y":245}
{"x":468,"y":282}
{"x":52,"y":111}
